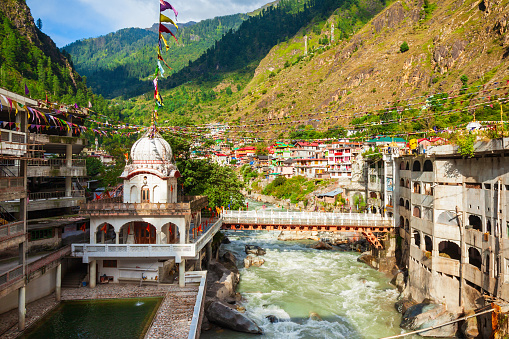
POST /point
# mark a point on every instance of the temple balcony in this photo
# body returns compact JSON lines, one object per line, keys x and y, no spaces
{"x":12,"y":143}
{"x":11,"y":234}
{"x":116,"y":207}
{"x":179,"y":251}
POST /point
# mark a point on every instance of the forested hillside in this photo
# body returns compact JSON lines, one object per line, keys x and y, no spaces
{"x":119,"y":64}
{"x":28,"y":56}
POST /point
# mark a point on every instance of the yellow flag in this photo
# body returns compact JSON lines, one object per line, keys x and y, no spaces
{"x":164,"y":18}
{"x":164,"y":40}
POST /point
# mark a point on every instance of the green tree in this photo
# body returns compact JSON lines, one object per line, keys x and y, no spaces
{"x":39,"y":24}
{"x":404,"y":47}
{"x":94,"y":167}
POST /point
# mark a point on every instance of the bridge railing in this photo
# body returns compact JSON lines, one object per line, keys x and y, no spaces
{"x":306,"y":218}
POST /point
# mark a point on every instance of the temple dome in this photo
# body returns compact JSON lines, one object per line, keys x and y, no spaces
{"x":151,"y":154}
{"x":151,"y":149}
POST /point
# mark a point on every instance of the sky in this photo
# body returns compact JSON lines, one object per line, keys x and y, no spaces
{"x":66,"y":21}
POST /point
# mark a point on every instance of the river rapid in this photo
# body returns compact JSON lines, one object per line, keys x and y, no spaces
{"x":296,"y":282}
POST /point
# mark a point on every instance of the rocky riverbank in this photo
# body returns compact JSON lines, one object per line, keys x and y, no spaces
{"x":223,"y":306}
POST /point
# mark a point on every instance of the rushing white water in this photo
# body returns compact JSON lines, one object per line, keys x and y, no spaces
{"x":352,"y":300}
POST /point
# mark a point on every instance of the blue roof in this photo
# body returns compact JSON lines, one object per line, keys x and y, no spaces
{"x":331,"y":194}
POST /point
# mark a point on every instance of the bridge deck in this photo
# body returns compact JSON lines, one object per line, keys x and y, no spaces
{"x":305,"y":221}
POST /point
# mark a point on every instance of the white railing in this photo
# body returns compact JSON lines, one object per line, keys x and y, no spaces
{"x":179,"y":251}
{"x":306,"y":218}
{"x":201,"y":277}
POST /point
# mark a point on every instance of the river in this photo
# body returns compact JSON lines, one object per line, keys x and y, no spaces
{"x":352,"y":299}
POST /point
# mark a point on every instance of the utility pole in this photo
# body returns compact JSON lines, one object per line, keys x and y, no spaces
{"x":305,"y":45}
{"x":332,"y":34}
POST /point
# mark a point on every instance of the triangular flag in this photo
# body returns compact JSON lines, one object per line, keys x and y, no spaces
{"x":164,"y":18}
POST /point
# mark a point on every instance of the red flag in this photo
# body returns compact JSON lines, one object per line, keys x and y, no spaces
{"x":98,"y":196}
{"x":163,"y":28}
{"x":148,"y":228}
{"x":104,"y":228}
{"x":83,"y":227}
{"x":128,"y":229}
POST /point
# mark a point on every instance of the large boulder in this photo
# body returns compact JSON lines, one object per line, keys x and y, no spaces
{"x":426,"y":315}
{"x":404,"y":304}
{"x":253,"y":261}
{"x":399,"y":281}
{"x":366,"y":258}
{"x":322,"y":246}
{"x":253,"y":249}
{"x":224,"y":316}
{"x":221,"y":282}
{"x":469,"y":327}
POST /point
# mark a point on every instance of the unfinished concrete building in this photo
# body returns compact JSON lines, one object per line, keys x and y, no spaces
{"x":452,"y":214}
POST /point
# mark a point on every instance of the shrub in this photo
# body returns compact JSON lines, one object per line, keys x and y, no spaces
{"x":404,"y":47}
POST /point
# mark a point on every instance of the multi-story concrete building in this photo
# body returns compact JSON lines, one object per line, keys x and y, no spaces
{"x":452,"y":214}
{"x":37,"y":143}
{"x":340,"y":157}
{"x":311,"y":168}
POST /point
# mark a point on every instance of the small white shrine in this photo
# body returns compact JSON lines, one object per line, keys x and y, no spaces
{"x":142,"y":234}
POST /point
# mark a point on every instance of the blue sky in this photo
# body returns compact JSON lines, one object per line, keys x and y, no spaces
{"x":66,"y":21}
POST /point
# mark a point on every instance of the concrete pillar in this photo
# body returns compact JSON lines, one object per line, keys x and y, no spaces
{"x":209,"y":252}
{"x":102,"y":237}
{"x":58,"y":286}
{"x":182,"y":273}
{"x":92,"y":274}
{"x":21,"y":308}
{"x":68,"y":158}
{"x":117,"y":237}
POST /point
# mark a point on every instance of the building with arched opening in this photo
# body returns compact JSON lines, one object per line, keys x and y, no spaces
{"x":144,"y":234}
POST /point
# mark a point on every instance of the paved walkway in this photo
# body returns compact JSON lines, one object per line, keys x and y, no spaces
{"x":35,"y":311}
{"x":172,"y":320}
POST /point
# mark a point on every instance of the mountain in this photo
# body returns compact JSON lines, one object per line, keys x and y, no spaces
{"x":212,"y":84}
{"x":119,"y":63}
{"x":453,"y":47}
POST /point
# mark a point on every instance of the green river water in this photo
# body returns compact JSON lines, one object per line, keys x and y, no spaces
{"x":353,"y":300}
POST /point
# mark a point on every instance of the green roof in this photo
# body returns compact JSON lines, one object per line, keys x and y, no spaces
{"x":386,"y":139}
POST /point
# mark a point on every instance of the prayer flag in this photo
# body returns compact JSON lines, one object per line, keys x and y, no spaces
{"x":104,"y":228}
{"x":83,"y":227}
{"x":164,"y":18}
{"x":165,"y":5}
{"x":164,"y":41}
{"x":27,"y":92}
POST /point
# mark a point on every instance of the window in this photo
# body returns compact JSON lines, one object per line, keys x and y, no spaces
{"x":145,"y":194}
{"x":110,"y":263}
{"x":41,"y":234}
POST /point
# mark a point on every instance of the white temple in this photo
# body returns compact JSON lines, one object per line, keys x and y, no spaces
{"x":141,"y":235}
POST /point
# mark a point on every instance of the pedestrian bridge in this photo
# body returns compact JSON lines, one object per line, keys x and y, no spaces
{"x":367,"y":224}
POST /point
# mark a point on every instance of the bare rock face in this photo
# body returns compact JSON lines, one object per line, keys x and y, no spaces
{"x":446,"y":55}
{"x":253,"y":261}
{"x":390,"y":18}
{"x":221,"y":281}
{"x":224,"y":316}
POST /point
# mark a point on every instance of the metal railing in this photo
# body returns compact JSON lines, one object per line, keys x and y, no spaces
{"x":306,"y":218}
{"x":55,"y":195}
{"x":55,"y":162}
{"x":48,"y":259}
{"x":11,"y":230}
{"x":10,"y":183}
{"x":11,"y":276}
{"x":201,"y":276}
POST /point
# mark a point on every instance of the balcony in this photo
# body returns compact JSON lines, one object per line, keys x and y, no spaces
{"x":56,"y":168}
{"x":162,"y":251}
{"x":12,"y":234}
{"x":12,"y":143}
{"x":11,"y":277}
{"x":57,"y":144}
{"x":46,"y":200}
{"x":12,"y":188}
{"x":115,"y":207}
